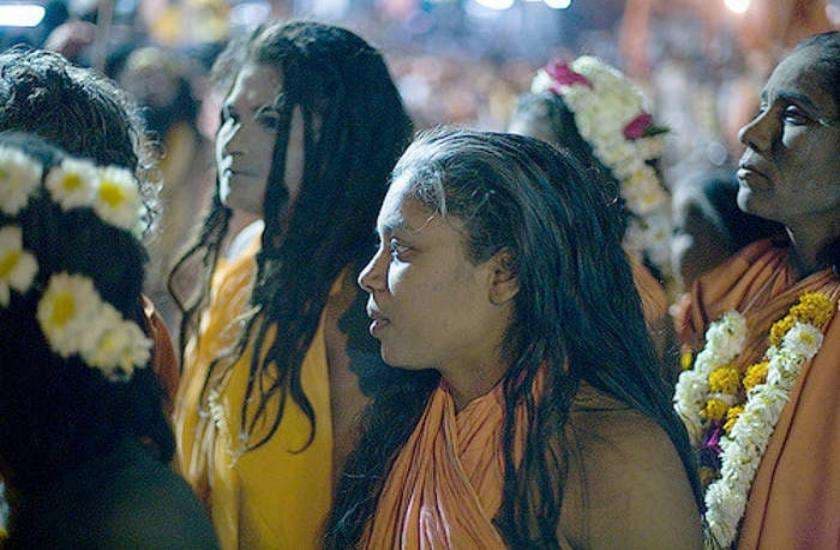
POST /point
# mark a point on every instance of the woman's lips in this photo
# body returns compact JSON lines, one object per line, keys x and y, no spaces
{"x":752,"y":178}
{"x":377,"y":326}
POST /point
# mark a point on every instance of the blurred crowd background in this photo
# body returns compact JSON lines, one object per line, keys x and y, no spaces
{"x":702,"y":63}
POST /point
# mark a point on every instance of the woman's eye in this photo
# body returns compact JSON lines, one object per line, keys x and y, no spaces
{"x":794,"y":115}
{"x":398,"y":251}
{"x":269,"y":122}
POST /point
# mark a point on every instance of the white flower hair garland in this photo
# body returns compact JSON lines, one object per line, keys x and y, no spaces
{"x":610,"y":115}
{"x":74,"y":318}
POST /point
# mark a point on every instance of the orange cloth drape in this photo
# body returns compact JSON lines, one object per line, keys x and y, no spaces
{"x":654,"y":298}
{"x":445,"y":486}
{"x":795,"y":498}
{"x":164,"y":360}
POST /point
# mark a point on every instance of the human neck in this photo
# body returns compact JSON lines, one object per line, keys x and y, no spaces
{"x":809,"y":238}
{"x":469,"y":380}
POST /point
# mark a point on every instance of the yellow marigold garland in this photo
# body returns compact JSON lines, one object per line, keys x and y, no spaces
{"x":730,"y":394}
{"x":725,"y":379}
{"x":732,"y":416}
{"x":814,"y":308}
{"x":756,"y":374}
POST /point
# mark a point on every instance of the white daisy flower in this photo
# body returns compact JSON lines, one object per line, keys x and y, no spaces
{"x":17,"y":266}
{"x":20,"y":176}
{"x":72,"y":183}
{"x":117,"y":198}
{"x":67,"y":311}
{"x":119,"y":347}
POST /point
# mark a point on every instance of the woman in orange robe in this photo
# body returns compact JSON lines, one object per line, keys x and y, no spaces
{"x":527,"y":411}
{"x":789,"y":174}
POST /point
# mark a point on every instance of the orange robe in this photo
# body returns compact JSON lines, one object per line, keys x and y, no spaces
{"x":445,"y":487}
{"x":164,"y":360}
{"x":794,"y":501}
{"x":653,"y":296}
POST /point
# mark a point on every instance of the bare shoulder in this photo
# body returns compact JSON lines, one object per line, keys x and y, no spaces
{"x":627,"y":486}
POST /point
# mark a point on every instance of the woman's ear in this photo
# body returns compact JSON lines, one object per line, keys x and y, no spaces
{"x":504,"y":283}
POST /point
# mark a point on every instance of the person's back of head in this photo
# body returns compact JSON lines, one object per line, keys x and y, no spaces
{"x":74,"y":379}
{"x":708,"y":225}
{"x":593,"y":110}
{"x":73,"y":108}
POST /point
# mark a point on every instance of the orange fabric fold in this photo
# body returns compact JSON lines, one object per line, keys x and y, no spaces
{"x":445,"y":486}
{"x":794,"y":501}
{"x":652,"y":293}
{"x":164,"y":360}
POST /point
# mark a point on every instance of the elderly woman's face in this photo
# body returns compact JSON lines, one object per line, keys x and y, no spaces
{"x":790,"y":171}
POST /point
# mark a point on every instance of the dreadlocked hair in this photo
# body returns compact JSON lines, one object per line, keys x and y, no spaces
{"x":336,"y":78}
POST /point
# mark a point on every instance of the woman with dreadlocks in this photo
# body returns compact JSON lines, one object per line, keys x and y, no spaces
{"x":277,"y":354}
{"x":528,"y":413}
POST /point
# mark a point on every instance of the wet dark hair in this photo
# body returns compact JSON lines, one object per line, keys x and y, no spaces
{"x":56,"y":413}
{"x":75,"y":109}
{"x":576,"y":312}
{"x":334,"y":75}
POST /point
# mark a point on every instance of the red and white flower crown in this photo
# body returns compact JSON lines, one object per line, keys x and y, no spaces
{"x":610,"y":114}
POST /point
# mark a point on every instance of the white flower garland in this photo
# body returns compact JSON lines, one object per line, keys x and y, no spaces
{"x":74,"y":318}
{"x":76,"y":321}
{"x":744,"y":446}
{"x":724,"y":342}
{"x":603,"y":109}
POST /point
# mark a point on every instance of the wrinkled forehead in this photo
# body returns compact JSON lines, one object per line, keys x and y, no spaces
{"x":799,"y":76}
